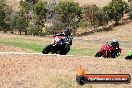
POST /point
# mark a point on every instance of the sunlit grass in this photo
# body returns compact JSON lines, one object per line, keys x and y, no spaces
{"x":36,"y":46}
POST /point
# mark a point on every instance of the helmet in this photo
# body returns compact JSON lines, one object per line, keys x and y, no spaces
{"x":67,"y":31}
{"x":115,"y":40}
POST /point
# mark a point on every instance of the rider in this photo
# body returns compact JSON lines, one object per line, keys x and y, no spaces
{"x":67,"y":31}
{"x":130,"y":54}
{"x":68,"y":35}
{"x":115,"y":44}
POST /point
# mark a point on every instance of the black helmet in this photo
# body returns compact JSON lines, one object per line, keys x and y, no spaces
{"x":67,"y":31}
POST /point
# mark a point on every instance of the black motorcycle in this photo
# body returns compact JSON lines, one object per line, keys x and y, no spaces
{"x":61,"y":45}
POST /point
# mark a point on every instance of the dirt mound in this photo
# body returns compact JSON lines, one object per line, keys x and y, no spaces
{"x":55,"y":71}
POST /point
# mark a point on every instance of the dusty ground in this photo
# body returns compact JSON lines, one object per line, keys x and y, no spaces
{"x":42,"y":71}
{"x":8,"y":48}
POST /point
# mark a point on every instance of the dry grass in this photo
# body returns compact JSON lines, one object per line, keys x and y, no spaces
{"x":8,"y":48}
{"x":41,"y":71}
{"x":15,"y":3}
{"x":99,"y":3}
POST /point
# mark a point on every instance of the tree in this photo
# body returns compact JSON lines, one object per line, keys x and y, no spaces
{"x":94,"y":16}
{"x":2,"y":17}
{"x":115,"y":10}
{"x":39,"y":17}
{"x":130,"y":7}
{"x":40,"y":10}
{"x":35,"y":27}
{"x":2,"y":13}
{"x":2,"y":3}
{"x":101,"y":18}
{"x":25,"y":11}
{"x":5,"y":12}
{"x":20,"y":22}
{"x":69,"y":14}
{"x":7,"y":20}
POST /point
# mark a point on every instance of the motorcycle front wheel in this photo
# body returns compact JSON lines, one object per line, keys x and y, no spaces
{"x":98,"y":54}
{"x":47,"y":49}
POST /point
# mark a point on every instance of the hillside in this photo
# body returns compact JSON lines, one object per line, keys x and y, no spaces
{"x":35,"y":70}
{"x":99,"y":3}
{"x":84,"y":45}
{"x":22,"y":65}
{"x":15,"y":3}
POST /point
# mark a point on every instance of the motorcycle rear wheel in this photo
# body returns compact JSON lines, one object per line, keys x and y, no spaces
{"x":65,"y":50}
{"x":115,"y":54}
{"x":128,"y":57}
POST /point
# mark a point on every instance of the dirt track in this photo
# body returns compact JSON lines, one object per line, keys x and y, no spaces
{"x":55,"y":71}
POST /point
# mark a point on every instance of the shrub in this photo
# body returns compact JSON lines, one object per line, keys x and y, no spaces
{"x":69,"y":14}
{"x":115,"y":10}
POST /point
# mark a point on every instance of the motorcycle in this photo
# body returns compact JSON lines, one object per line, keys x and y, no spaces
{"x":107,"y":51}
{"x":61,"y":45}
{"x":129,"y":56}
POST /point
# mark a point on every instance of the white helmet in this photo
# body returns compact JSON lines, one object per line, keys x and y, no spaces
{"x":115,"y":40}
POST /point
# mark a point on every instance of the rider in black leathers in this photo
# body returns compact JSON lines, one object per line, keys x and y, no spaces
{"x":67,"y":36}
{"x":65,"y":42}
{"x":115,"y":46}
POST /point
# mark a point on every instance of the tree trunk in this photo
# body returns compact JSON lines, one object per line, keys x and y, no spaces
{"x":12,"y":32}
{"x":20,"y":32}
{"x":25,"y":32}
{"x":116,"y":21}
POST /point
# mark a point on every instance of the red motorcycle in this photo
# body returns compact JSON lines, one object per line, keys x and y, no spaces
{"x":107,"y":51}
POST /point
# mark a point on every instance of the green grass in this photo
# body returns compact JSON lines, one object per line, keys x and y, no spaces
{"x":83,"y":51}
{"x":37,"y":46}
{"x":33,"y":46}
